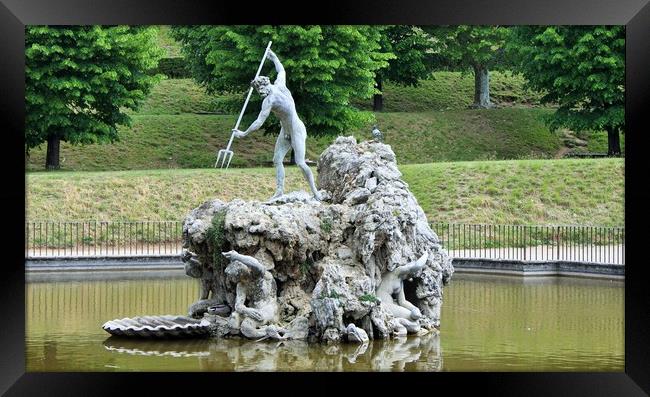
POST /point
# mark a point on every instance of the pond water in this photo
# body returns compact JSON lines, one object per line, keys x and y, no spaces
{"x":489,"y":323}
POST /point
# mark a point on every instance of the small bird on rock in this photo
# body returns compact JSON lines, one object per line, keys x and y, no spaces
{"x":376,"y":134}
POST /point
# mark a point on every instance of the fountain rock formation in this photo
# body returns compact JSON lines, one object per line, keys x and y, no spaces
{"x":327,"y":258}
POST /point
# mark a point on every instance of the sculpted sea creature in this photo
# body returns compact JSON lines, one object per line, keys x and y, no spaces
{"x":256,"y":307}
{"x":356,"y":334}
{"x":274,"y":332}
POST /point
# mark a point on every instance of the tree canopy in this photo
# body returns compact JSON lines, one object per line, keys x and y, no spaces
{"x":479,"y":48}
{"x":466,"y":45}
{"x":579,"y":68}
{"x":411,"y":60}
{"x":326,"y":66}
{"x":81,"y":79}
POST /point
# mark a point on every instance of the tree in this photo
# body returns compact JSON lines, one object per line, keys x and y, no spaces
{"x":582,"y":70}
{"x":326,"y":66}
{"x":477,"y":47}
{"x":80,"y":80}
{"x":410,"y":47}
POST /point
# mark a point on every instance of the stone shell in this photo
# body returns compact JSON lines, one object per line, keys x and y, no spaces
{"x":166,"y":326}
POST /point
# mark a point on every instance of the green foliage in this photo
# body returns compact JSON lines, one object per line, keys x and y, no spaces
{"x":326,"y":225}
{"x":326,"y":66}
{"x":580,"y":68}
{"x":467,"y":46}
{"x":368,"y":298}
{"x":479,"y":48}
{"x":215,"y":234}
{"x":304,"y":267}
{"x":410,"y":47}
{"x":79,"y":80}
{"x":174,"y":68}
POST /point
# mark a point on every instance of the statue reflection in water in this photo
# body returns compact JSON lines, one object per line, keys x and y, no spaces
{"x":415,"y":353}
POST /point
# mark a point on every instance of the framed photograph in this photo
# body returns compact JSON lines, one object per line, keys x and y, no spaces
{"x":439,"y":191}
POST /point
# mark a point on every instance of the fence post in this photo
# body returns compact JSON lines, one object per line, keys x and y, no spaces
{"x":524,"y":244}
{"x":26,"y":239}
{"x":623,"y":246}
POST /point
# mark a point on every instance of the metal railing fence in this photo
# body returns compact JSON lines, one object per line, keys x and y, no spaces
{"x":534,"y":242}
{"x":516,"y":242}
{"x":102,"y":238}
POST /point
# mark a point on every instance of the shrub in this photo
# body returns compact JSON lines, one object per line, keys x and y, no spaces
{"x":174,"y":68}
{"x":215,"y":235}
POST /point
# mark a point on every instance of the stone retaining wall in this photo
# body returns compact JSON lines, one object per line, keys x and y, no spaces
{"x":494,"y":266}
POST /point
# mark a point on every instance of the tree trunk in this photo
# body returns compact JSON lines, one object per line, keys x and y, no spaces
{"x":481,"y":87}
{"x":613,"y":142}
{"x":292,"y":158}
{"x":378,"y":99}
{"x":52,"y":159}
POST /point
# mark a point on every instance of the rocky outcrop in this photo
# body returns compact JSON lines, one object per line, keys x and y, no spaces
{"x":327,"y":258}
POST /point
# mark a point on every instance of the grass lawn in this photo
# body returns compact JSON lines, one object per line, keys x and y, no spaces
{"x":586,"y":191}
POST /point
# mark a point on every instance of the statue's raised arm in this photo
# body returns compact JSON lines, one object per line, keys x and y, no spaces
{"x":282,"y":75}
{"x":409,"y":270}
{"x":249,"y":261}
{"x":261,"y":118}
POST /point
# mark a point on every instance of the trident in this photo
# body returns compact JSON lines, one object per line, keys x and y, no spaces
{"x":225,"y":155}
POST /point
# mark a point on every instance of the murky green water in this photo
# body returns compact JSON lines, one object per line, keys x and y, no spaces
{"x":489,"y":323}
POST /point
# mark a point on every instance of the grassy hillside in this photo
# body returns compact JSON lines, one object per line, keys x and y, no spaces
{"x":459,"y":135}
{"x":588,"y":192}
{"x":191,"y":141}
{"x":453,"y":90}
{"x":443,"y":91}
{"x":177,"y":96}
{"x":166,"y":42}
{"x":168,"y":132}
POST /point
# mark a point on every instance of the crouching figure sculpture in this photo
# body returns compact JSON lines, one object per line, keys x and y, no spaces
{"x":256,"y":307}
{"x":391,"y":294}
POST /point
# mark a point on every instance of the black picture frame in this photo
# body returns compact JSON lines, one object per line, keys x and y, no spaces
{"x":15,"y":14}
